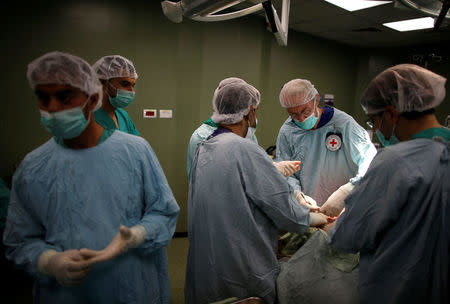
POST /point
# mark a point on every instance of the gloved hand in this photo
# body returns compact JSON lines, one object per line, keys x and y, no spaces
{"x":317,"y":219}
{"x":287,"y":168}
{"x":68,"y":267}
{"x":306,"y":200}
{"x":125,"y":239}
{"x":335,"y":203}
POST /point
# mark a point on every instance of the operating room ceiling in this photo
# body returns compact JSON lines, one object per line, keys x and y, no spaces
{"x":362,"y":28}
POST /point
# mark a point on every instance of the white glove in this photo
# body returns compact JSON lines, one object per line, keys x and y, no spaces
{"x":68,"y":267}
{"x":287,"y":168}
{"x":335,"y":203}
{"x":306,"y":200}
{"x":317,"y":219}
{"x":125,"y":239}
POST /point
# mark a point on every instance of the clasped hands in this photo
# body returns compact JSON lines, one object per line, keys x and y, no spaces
{"x":71,"y":267}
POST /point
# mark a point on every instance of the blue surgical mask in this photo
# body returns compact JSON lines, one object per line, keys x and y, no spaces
{"x":386,"y":142}
{"x":65,"y":124}
{"x":123,"y":98}
{"x":251,"y":131}
{"x":308,"y":123}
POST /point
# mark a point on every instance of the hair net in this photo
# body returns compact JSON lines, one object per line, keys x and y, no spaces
{"x":406,"y":87}
{"x":114,"y":66}
{"x":229,"y":80}
{"x":297,"y":92}
{"x":232,"y":101}
{"x":66,"y":69}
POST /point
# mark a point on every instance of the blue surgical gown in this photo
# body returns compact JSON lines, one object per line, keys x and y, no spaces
{"x":64,"y":199}
{"x":4,"y":201}
{"x":397,"y":217}
{"x":199,"y":135}
{"x":237,"y":201}
{"x":123,"y":119}
{"x":323,"y":171}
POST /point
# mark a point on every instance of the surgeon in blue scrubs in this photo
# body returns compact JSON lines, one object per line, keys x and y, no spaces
{"x":286,"y":168}
{"x":90,"y":210}
{"x":118,"y":77}
{"x":334,"y":149}
{"x":238,"y":201}
{"x":397,"y":216}
{"x":209,"y":126}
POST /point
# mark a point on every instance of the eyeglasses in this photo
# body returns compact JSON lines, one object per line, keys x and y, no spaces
{"x":369,"y":121}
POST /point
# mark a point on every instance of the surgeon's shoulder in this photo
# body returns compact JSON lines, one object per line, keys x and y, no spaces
{"x":403,"y":154}
{"x":125,"y":140}
{"x":342,"y":118}
{"x":243,"y":146}
{"x":122,"y":112}
{"x":201,"y":133}
{"x":39,"y":157}
{"x":289,"y":126}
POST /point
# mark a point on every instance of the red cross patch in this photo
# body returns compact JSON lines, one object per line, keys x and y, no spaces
{"x":333,"y":142}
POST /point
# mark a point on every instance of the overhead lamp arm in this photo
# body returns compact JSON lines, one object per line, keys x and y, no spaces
{"x":280,"y":29}
{"x":440,"y":18}
{"x":210,"y":11}
{"x":228,"y":16}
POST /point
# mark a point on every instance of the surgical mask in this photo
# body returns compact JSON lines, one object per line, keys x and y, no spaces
{"x":251,"y":130}
{"x":386,"y":142}
{"x":308,"y":123}
{"x":122,"y":99}
{"x":65,"y":124}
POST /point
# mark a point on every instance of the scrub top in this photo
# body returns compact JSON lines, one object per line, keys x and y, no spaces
{"x":237,"y":202}
{"x":123,"y":119}
{"x":337,"y":152}
{"x":397,"y":217}
{"x":200,"y":134}
{"x":64,"y":199}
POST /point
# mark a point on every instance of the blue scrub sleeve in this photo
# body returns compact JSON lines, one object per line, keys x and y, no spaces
{"x":283,"y":152}
{"x":362,"y":150}
{"x":374,"y":204}
{"x":25,"y":241}
{"x":268,"y":190}
{"x":161,"y":209}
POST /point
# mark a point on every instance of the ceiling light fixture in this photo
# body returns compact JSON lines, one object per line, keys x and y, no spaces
{"x":411,"y":25}
{"x":354,"y":5}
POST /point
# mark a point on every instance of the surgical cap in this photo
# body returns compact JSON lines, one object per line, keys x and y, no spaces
{"x":232,"y":102}
{"x":229,"y":80}
{"x":406,"y":87}
{"x":65,"y":69}
{"x":114,"y":66}
{"x":297,"y":92}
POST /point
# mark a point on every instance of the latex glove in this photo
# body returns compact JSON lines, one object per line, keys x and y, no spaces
{"x":68,"y":267}
{"x":287,"y":168}
{"x":317,"y":219}
{"x":125,"y":239}
{"x":306,"y":200}
{"x":335,"y":203}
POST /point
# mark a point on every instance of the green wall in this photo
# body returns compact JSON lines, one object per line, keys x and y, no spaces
{"x":179,"y":66}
